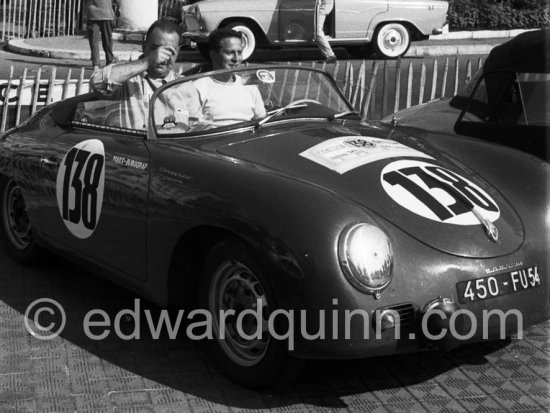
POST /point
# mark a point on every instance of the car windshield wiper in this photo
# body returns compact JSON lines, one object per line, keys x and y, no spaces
{"x":278,"y":112}
{"x":343,"y":115}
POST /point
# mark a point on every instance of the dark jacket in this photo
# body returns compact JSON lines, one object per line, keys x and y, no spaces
{"x":100,"y":10}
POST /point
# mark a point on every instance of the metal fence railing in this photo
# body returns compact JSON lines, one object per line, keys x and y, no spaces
{"x":375,"y":88}
{"x":44,"y":18}
{"x":40,"y":18}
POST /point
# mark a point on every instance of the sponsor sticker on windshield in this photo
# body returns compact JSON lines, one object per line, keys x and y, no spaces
{"x":266,"y":76}
{"x":349,"y":152}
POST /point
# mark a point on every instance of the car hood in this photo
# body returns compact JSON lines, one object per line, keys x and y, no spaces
{"x":419,"y":189}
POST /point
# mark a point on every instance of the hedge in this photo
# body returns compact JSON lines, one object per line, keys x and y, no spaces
{"x":498,"y":14}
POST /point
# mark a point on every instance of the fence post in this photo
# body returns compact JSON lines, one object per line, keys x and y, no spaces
{"x":6,"y":102}
{"x":51,"y":85}
{"x":66,"y":85}
{"x":468,"y":71}
{"x":457,"y":64}
{"x":20,"y":10}
{"x":410,"y":85}
{"x":445,"y":72}
{"x":384,"y":104}
{"x":434,"y":80}
{"x":19,"y":94}
{"x":397,"y":84}
{"x":422,"y":84}
{"x":78,"y":90}
{"x":3,"y":18}
{"x":36,"y":90}
{"x":370,"y":91}
{"x":360,"y":85}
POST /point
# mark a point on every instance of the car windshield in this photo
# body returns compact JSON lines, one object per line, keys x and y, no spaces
{"x":512,"y":98}
{"x":248,"y":97}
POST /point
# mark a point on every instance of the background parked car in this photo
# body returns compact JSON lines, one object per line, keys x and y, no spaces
{"x":506,"y":103}
{"x":390,"y":25}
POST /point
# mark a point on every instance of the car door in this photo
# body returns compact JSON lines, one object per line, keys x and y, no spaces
{"x":353,"y":17}
{"x":96,"y":204}
{"x":296,"y":20}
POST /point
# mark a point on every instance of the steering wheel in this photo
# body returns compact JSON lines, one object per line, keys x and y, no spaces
{"x":291,"y":105}
{"x":297,"y":102}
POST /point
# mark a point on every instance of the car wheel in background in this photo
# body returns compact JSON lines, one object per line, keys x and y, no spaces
{"x":248,"y":37}
{"x":233,"y":280}
{"x":16,"y":231}
{"x":391,"y":40}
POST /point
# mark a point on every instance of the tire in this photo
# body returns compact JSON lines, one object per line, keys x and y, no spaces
{"x":233,"y":279}
{"x":16,"y":231}
{"x":248,"y":37}
{"x":391,"y":40}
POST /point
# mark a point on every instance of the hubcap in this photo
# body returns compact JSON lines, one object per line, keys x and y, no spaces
{"x":393,"y":41}
{"x":235,"y":288}
{"x":15,"y":217}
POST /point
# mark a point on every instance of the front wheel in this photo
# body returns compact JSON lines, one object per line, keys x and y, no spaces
{"x":16,"y":229}
{"x":247,"y":36}
{"x":242,"y":347}
{"x":391,"y":40}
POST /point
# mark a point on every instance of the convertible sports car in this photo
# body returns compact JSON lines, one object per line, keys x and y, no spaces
{"x":305,"y":233}
{"x":506,"y":103}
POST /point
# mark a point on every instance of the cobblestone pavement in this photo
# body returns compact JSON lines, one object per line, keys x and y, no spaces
{"x":74,"y":373}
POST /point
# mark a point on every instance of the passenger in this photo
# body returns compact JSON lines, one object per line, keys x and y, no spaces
{"x":133,"y":83}
{"x":224,"y":99}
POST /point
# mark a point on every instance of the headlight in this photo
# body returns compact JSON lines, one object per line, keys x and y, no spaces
{"x":366,"y":257}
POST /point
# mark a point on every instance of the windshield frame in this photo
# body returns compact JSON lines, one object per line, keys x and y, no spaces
{"x":152,"y":132}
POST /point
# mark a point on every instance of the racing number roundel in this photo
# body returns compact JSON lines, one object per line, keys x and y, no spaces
{"x":437,"y":193}
{"x":79,"y":187}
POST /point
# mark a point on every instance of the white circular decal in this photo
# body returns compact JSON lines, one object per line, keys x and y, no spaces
{"x":266,"y":76}
{"x":79,"y":187}
{"x":437,"y":193}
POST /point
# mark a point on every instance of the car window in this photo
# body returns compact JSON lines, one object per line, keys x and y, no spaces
{"x":232,"y":99}
{"x":535,"y":94}
{"x":510,"y":98}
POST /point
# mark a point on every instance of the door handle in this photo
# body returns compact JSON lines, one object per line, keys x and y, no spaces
{"x":49,"y":162}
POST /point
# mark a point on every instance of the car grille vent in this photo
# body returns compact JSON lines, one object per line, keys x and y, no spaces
{"x":407,"y":313}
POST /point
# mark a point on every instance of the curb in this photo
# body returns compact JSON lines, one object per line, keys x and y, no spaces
{"x":432,"y":51}
{"x":480,"y":34}
{"x":416,"y":50}
{"x":19,"y":46}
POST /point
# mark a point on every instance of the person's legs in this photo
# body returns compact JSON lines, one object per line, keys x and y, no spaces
{"x":93,"y":38}
{"x":320,"y":37}
{"x":107,"y":40}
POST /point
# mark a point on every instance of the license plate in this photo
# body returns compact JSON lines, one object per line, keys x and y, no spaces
{"x":498,"y":285}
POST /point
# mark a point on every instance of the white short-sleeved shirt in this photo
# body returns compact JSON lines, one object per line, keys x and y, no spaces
{"x":229,"y":102}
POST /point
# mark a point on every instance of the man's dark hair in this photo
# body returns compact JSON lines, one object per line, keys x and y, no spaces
{"x":164,"y":26}
{"x":216,"y":37}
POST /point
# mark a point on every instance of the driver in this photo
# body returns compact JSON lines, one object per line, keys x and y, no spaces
{"x":224,"y":99}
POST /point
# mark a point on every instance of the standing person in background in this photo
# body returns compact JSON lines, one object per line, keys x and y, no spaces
{"x":323,"y":9}
{"x":100,"y":19}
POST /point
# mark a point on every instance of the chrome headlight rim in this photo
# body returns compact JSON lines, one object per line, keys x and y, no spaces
{"x":345,"y":261}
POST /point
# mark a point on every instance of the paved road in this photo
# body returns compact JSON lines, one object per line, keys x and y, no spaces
{"x":74,"y":373}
